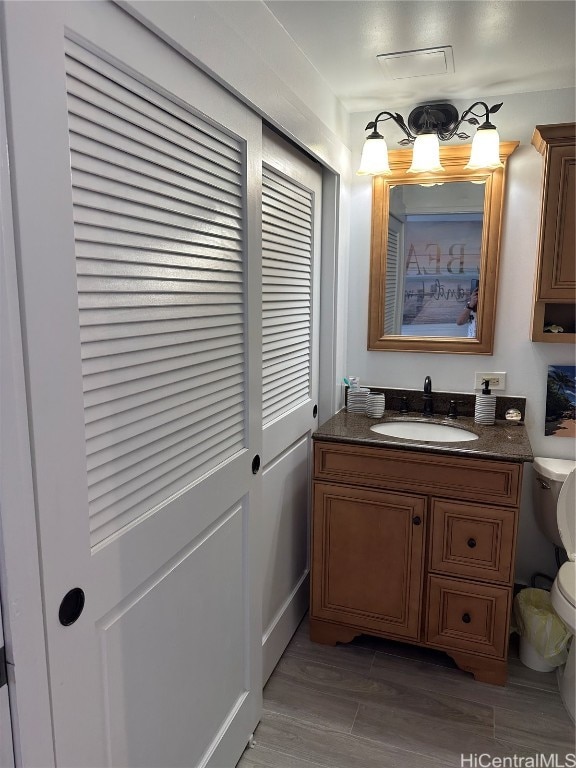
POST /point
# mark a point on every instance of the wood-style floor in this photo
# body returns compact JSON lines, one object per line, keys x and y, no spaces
{"x":380,"y":704}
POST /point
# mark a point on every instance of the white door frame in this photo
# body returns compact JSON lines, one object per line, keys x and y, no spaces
{"x":19,"y":556}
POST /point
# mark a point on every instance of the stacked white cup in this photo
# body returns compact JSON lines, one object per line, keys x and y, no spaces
{"x":357,"y":400}
{"x":375,"y":405}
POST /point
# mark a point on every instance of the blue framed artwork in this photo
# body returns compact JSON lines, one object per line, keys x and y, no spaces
{"x":561,"y":401}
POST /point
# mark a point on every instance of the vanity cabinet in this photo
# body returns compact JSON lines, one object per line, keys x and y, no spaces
{"x":417,"y":547}
{"x":555,"y":287}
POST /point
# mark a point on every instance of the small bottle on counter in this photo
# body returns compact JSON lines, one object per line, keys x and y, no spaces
{"x":485,"y":408}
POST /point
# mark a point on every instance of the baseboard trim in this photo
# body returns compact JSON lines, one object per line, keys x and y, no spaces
{"x":279,"y":633}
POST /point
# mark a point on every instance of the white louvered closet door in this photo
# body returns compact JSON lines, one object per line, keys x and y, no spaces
{"x":291,"y":218}
{"x":137,"y":185}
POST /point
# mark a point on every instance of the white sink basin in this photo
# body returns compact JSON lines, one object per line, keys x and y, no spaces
{"x":423,"y":430}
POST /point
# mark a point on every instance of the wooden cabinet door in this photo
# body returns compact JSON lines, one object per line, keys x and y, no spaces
{"x":367,"y":559}
{"x":556,"y":271}
{"x":558,"y":275}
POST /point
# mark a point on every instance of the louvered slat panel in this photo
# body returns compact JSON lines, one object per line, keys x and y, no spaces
{"x":158,"y":199}
{"x":109,"y":461}
{"x":274,"y":319}
{"x":286,"y":287}
{"x":273,"y":366}
{"x":152,"y":468}
{"x":391,"y":286}
{"x":112,"y":83}
{"x":117,"y":322}
{"x":154,"y":152}
{"x":143,"y":191}
{"x":150,"y":206}
{"x":292,"y":237}
{"x":137,"y":461}
{"x":171,"y":393}
{"x":167,"y":408}
{"x":127,"y":167}
{"x":289,"y":218}
{"x":280,"y":327}
{"x":124,"y":492}
{"x":291,"y":372}
{"x":281,"y":196}
{"x":135,"y":388}
{"x":118,"y":118}
{"x":153,"y":494}
{"x":150,"y":340}
{"x":166,"y":369}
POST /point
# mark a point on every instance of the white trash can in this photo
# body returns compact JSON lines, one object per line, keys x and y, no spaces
{"x":543,"y":635}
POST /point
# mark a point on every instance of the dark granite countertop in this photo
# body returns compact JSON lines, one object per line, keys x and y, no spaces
{"x":504,"y":441}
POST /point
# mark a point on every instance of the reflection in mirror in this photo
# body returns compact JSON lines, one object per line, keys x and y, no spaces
{"x":434,"y":255}
{"x":433,"y":259}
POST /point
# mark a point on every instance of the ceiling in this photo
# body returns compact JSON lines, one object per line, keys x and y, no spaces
{"x":498,"y":48}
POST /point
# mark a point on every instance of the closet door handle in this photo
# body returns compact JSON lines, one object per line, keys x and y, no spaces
{"x":417,"y":520}
{"x":71,"y":606}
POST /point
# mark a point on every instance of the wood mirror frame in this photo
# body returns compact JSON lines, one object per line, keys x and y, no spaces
{"x":453,"y":159}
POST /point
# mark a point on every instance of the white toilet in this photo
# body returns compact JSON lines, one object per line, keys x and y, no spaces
{"x":555,"y":508}
{"x":563,"y":594}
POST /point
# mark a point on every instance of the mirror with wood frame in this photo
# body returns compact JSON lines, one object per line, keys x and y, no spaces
{"x":434,"y":255}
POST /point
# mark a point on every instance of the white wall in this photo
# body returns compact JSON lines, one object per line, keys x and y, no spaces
{"x":524,"y":361}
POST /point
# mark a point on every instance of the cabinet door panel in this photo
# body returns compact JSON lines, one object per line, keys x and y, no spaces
{"x":368,"y":549}
{"x":557,"y":237}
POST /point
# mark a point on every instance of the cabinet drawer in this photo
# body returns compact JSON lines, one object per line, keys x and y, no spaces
{"x":495,"y":482}
{"x":472,"y":540}
{"x":467,"y":617}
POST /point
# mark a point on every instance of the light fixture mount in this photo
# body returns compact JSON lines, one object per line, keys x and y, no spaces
{"x":443,"y":116}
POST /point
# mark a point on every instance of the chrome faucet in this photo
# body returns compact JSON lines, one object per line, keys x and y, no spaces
{"x":428,"y":409}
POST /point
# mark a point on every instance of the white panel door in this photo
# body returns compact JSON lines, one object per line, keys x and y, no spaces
{"x":136,"y":185}
{"x":291,"y":224}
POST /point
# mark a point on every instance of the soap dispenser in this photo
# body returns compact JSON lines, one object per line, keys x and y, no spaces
{"x":485,"y":409}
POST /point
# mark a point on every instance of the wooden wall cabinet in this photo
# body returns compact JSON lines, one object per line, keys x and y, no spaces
{"x":555,"y":287}
{"x":416,"y":547}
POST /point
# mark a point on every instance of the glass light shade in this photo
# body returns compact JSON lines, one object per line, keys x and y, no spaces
{"x":485,"y":151}
{"x":426,"y":154}
{"x":374,"y":160}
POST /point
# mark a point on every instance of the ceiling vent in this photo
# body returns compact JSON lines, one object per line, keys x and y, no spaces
{"x":421,"y":63}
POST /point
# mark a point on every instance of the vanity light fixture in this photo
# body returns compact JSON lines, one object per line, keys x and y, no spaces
{"x":427,"y":126}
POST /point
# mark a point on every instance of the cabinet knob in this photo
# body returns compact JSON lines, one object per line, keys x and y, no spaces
{"x":471,"y":543}
{"x":466,"y":618}
{"x":416,"y":520}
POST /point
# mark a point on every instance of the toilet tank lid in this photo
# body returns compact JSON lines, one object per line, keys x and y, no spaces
{"x":554,"y":469}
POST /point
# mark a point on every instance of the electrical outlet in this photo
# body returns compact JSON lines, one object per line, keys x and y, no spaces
{"x":497,"y":380}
